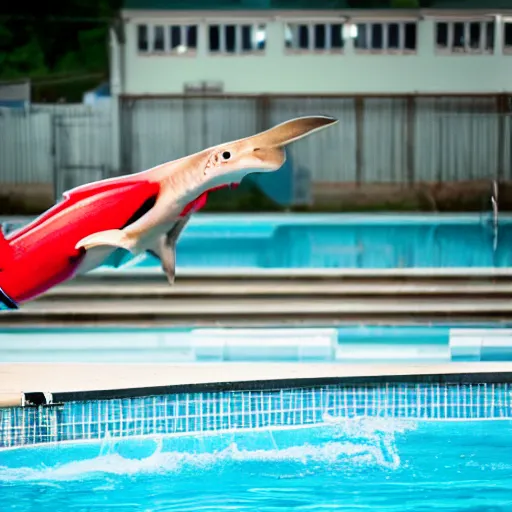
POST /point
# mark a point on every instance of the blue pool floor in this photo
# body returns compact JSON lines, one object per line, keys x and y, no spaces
{"x":354,"y":465}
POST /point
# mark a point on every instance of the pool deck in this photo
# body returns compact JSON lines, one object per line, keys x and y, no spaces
{"x":66,"y":381}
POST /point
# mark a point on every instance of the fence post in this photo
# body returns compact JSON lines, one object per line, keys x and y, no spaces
{"x":54,"y":153}
{"x":263,"y":106}
{"x":410,"y":138}
{"x":359,"y":106}
{"x":502,"y":109}
{"x":115,"y":129}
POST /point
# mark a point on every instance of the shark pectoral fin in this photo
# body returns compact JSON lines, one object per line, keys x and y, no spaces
{"x":111,"y":237}
{"x":168,"y":258}
{"x":165,"y":250}
{"x":165,"y":247}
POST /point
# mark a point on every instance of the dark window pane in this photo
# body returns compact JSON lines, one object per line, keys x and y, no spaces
{"x":442,"y":34}
{"x":214,"y":37}
{"x":458,"y":35}
{"x":142,"y":38}
{"x":377,"y":36}
{"x":410,"y":36}
{"x":303,"y":33}
{"x":246,"y":37}
{"x":474,"y":35}
{"x":489,"y":35}
{"x":508,"y":34}
{"x":158,"y":38}
{"x":360,"y":39}
{"x":393,"y":36}
{"x":192,"y":36}
{"x":319,"y":37}
{"x":175,"y":36}
{"x":230,"y":33}
{"x":336,"y":36}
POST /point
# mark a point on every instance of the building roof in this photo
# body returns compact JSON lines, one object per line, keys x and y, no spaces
{"x":217,"y":5}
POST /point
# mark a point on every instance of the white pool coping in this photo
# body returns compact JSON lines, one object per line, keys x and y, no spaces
{"x":287,"y":273}
{"x":19,"y":378}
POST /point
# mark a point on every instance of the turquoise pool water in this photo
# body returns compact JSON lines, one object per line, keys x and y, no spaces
{"x":342,"y":241}
{"x":355,"y":465}
{"x":395,"y":447}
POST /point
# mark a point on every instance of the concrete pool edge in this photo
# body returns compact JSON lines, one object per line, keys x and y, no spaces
{"x":254,"y":273}
{"x":50,"y":384}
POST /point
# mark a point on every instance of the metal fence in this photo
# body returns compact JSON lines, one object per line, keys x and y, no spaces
{"x":378,"y":140}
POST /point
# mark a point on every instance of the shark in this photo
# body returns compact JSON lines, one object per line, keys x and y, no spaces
{"x":145,"y":212}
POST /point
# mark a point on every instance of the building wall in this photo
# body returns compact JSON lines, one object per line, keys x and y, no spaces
{"x":276,"y":71}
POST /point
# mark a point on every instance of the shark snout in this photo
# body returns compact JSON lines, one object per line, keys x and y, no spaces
{"x":290,"y":131}
{"x":268,"y":147}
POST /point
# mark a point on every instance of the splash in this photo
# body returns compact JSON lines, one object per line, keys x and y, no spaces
{"x":336,"y":444}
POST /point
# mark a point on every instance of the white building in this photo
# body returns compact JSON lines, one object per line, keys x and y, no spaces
{"x":245,"y":49}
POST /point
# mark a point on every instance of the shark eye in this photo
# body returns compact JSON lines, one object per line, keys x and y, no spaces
{"x":226,"y":155}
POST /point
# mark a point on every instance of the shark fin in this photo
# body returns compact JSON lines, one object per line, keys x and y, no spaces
{"x":112,"y":237}
{"x":166,"y":253}
{"x":165,"y":247}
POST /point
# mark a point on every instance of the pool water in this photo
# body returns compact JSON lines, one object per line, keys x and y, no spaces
{"x":343,"y":242}
{"x":351,"y":465}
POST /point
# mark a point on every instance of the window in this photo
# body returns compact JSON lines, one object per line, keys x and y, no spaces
{"x":173,"y":39}
{"x":317,"y":37}
{"x":214,"y":38}
{"x":410,"y":36}
{"x":507,"y":37}
{"x":392,"y":37}
{"x":158,"y":38}
{"x":230,"y":38}
{"x":182,"y":38}
{"x":465,"y":37}
{"x":253,"y":38}
{"x":142,"y":38}
{"x":236,"y":39}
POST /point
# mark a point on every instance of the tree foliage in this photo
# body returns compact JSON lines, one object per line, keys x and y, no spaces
{"x":55,"y":37}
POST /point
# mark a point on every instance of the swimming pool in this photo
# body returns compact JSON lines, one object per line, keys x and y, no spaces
{"x":395,"y":446}
{"x":354,"y":344}
{"x":342,"y":241}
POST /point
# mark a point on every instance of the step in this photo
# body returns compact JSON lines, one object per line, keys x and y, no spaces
{"x":285,"y":288}
{"x":255,"y":273}
{"x":273,"y":305}
{"x":250,"y":311}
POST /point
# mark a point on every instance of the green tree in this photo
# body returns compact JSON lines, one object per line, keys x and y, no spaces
{"x":405,"y":4}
